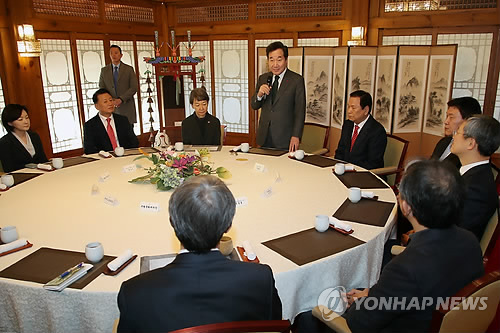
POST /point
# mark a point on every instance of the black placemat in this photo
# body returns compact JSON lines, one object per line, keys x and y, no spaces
{"x":45,"y":264}
{"x":269,"y":152}
{"x":318,"y":160}
{"x":310,"y":245}
{"x":361,"y":179}
{"x":366,"y":211}
{"x":21,"y":177}
{"x":190,"y":148}
{"x":72,"y":161}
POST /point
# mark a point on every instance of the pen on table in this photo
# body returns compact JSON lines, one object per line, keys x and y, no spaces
{"x":69,"y":271}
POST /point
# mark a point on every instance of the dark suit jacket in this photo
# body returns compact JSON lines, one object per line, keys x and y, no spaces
{"x":286,"y":116}
{"x":441,"y":147}
{"x":436,"y":263}
{"x":368,"y":150}
{"x":95,"y":136}
{"x":197,"y":289}
{"x":481,"y":199}
{"x":192,"y":134}
{"x":13,"y":154}
{"x":126,"y":88}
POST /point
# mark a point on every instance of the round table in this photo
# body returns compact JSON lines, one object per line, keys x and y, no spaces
{"x":58,"y":210}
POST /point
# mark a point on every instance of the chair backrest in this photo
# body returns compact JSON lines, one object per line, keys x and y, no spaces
{"x":240,"y":327}
{"x":223,"y":133}
{"x":395,"y":154}
{"x":315,"y":139}
{"x":470,"y":315}
{"x":490,"y":235}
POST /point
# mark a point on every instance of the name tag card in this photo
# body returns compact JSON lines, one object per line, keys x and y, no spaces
{"x":268,"y":192}
{"x":110,"y":200}
{"x":129,"y":168}
{"x":259,"y":167}
{"x":104,"y":177}
{"x":150,"y":206}
{"x":241,"y":202}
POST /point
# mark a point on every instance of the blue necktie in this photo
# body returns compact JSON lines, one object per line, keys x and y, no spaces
{"x":115,"y":79}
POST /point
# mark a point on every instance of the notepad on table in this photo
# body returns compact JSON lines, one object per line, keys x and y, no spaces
{"x":67,"y":278}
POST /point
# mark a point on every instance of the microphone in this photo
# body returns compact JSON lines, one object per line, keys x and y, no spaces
{"x":270,"y":80}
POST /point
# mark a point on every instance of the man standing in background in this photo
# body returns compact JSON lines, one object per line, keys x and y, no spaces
{"x":120,"y":80}
{"x":280,"y":94}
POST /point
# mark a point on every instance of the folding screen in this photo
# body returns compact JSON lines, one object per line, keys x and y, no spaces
{"x":362,"y":69}
{"x":339,"y":85}
{"x":383,"y":99}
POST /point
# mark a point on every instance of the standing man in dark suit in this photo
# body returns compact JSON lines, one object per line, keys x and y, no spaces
{"x":440,"y":260}
{"x":280,"y":94}
{"x":474,"y":142}
{"x":200,"y":286}
{"x":459,"y":109}
{"x":120,"y":80}
{"x":106,"y":131}
{"x":363,"y":139}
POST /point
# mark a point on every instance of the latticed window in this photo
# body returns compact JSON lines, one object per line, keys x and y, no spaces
{"x":231,"y":84}
{"x":329,"y":41}
{"x":298,"y":8}
{"x":80,"y":8}
{"x":145,"y":49}
{"x":407,"y":40}
{"x":91,"y":60}
{"x":473,"y":59}
{"x":60,"y":97}
{"x":423,"y":5}
{"x":128,"y":13}
{"x":201,"y":48}
{"x":230,"y":12}
{"x":2,"y":105}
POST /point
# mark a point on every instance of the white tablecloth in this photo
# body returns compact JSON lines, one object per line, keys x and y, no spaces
{"x":57,"y":210}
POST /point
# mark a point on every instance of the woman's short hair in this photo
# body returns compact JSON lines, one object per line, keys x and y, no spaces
{"x":435,"y":191}
{"x":11,"y":113}
{"x":201,"y":211}
{"x":200,"y":94}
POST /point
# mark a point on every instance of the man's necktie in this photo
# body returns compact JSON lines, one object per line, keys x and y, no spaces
{"x":115,"y":79}
{"x":354,"y":136}
{"x":111,"y":134}
{"x":274,"y":89}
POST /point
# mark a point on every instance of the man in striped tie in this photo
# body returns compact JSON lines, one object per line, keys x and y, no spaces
{"x":363,"y":139}
{"x":107,"y":130}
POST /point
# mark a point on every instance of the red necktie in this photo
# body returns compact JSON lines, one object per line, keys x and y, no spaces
{"x":111,"y":133}
{"x":354,"y":136}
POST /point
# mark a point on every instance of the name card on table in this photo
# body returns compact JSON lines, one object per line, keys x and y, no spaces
{"x":129,"y":168}
{"x":241,"y":202}
{"x":110,"y":200}
{"x":104,"y":177}
{"x":150,"y":206}
{"x":259,"y":167}
{"x":267,"y":192}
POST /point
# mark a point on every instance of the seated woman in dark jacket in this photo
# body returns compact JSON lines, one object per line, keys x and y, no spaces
{"x":19,"y":146}
{"x":200,"y":128}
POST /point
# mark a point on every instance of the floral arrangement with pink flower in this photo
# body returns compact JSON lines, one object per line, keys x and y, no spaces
{"x":171,"y":168}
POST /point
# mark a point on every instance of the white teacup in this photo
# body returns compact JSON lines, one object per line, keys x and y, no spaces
{"x":57,"y":162}
{"x":354,"y":194}
{"x":119,"y":151}
{"x":9,"y":234}
{"x":226,"y":245}
{"x":245,"y":147}
{"x":8,"y":180}
{"x":94,"y":252}
{"x":299,"y":154}
{"x":321,"y":223}
{"x":179,"y":146}
{"x":339,"y":168}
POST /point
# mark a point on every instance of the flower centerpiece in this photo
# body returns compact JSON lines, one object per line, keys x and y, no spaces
{"x":171,"y":168}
